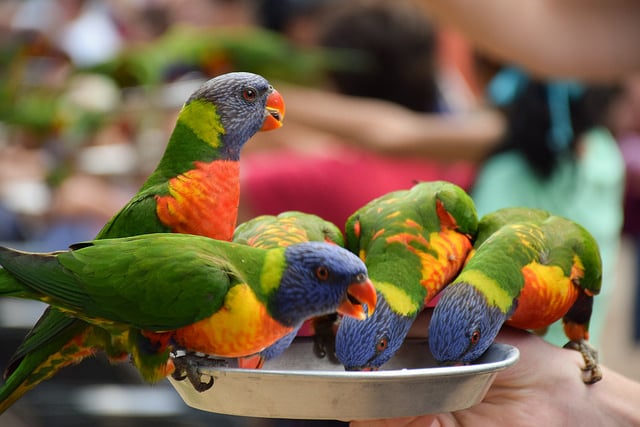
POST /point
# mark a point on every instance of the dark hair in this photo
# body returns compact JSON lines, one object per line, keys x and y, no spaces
{"x":529,"y":123}
{"x":398,"y":44}
{"x":276,"y":15}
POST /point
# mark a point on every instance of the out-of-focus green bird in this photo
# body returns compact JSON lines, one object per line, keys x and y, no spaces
{"x":195,"y":189}
{"x":414,"y":242}
{"x":215,"y":50}
{"x":529,"y":272}
{"x":285,"y":229}
{"x":155,"y":292}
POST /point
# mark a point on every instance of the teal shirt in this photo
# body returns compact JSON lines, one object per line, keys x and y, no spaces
{"x":588,"y":190}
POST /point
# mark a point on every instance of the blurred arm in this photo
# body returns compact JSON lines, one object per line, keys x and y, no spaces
{"x":585,"y":39}
{"x":392,"y":129}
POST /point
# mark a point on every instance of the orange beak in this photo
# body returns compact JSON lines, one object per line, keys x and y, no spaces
{"x":359,"y":294}
{"x":274,"y":111}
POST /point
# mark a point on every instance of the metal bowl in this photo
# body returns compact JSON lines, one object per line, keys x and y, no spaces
{"x":299,"y":385}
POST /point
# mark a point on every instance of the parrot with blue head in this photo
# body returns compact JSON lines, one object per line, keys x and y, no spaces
{"x":528,"y":269}
{"x":156,"y":293}
{"x":282,"y":230}
{"x":414,"y":242}
{"x":195,"y":189}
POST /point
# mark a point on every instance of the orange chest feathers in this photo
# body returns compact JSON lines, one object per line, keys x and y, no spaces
{"x":546,"y":296}
{"x":241,"y":327}
{"x":203,"y":201}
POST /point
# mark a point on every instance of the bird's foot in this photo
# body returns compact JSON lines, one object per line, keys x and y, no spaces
{"x":187,"y":366}
{"x":323,"y":348}
{"x":324,"y":340}
{"x":591,"y":372}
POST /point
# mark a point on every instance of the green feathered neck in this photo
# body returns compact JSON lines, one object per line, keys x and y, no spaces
{"x":495,"y":268}
{"x":197,"y":136}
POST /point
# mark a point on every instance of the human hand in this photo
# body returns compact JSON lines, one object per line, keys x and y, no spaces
{"x":543,"y":388}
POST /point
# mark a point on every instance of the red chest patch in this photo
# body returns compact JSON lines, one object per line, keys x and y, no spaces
{"x":203,"y":201}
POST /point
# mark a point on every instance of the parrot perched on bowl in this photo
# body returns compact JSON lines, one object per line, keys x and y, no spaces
{"x":414,"y":242}
{"x":285,"y":229}
{"x":194,"y":189}
{"x":156,"y":292}
{"x":531,"y":271}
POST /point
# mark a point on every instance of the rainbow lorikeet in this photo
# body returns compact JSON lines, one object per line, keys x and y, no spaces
{"x":194,"y":189}
{"x":157,"y":292}
{"x":285,"y":229}
{"x":529,"y":272}
{"x":414,"y":242}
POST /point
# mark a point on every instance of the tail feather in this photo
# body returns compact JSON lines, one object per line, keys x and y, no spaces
{"x":11,"y":391}
{"x":12,"y":287}
{"x":41,"y":355}
{"x":53,"y":325}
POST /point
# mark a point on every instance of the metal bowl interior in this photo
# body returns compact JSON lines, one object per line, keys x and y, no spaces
{"x":299,"y":385}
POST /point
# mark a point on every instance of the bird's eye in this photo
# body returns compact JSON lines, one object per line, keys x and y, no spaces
{"x":250,"y":94}
{"x":382,"y":344}
{"x":361,"y":278}
{"x":475,"y":337}
{"x":322,"y":272}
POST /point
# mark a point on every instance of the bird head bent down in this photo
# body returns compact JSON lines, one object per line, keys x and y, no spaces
{"x":463,"y":325}
{"x":368,"y":344}
{"x":322,"y":278}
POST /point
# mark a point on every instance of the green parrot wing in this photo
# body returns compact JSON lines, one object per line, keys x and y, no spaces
{"x":413,"y":242}
{"x":492,"y":221}
{"x":155,"y":282}
{"x":563,"y":242}
{"x":401,"y":237}
{"x":138,"y":216}
{"x":499,"y":259}
{"x":573,"y":248}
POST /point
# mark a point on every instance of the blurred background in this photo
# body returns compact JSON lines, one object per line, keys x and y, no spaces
{"x":89,"y":92}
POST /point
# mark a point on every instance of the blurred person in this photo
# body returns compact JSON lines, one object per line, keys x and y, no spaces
{"x":591,"y":40}
{"x":625,"y":123}
{"x":557,"y":155}
{"x":298,"y":20}
{"x":332,"y":174}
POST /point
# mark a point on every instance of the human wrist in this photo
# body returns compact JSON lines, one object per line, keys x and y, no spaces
{"x":617,"y":399}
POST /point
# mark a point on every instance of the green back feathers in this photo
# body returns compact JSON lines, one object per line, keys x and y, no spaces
{"x":285,"y":229}
{"x":392,"y":266}
{"x":511,"y":238}
{"x":409,"y":209}
{"x":457,"y":203}
{"x":391,"y":234}
{"x":565,"y":240}
{"x":138,"y":216}
{"x":493,"y":221}
{"x":186,"y":276}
